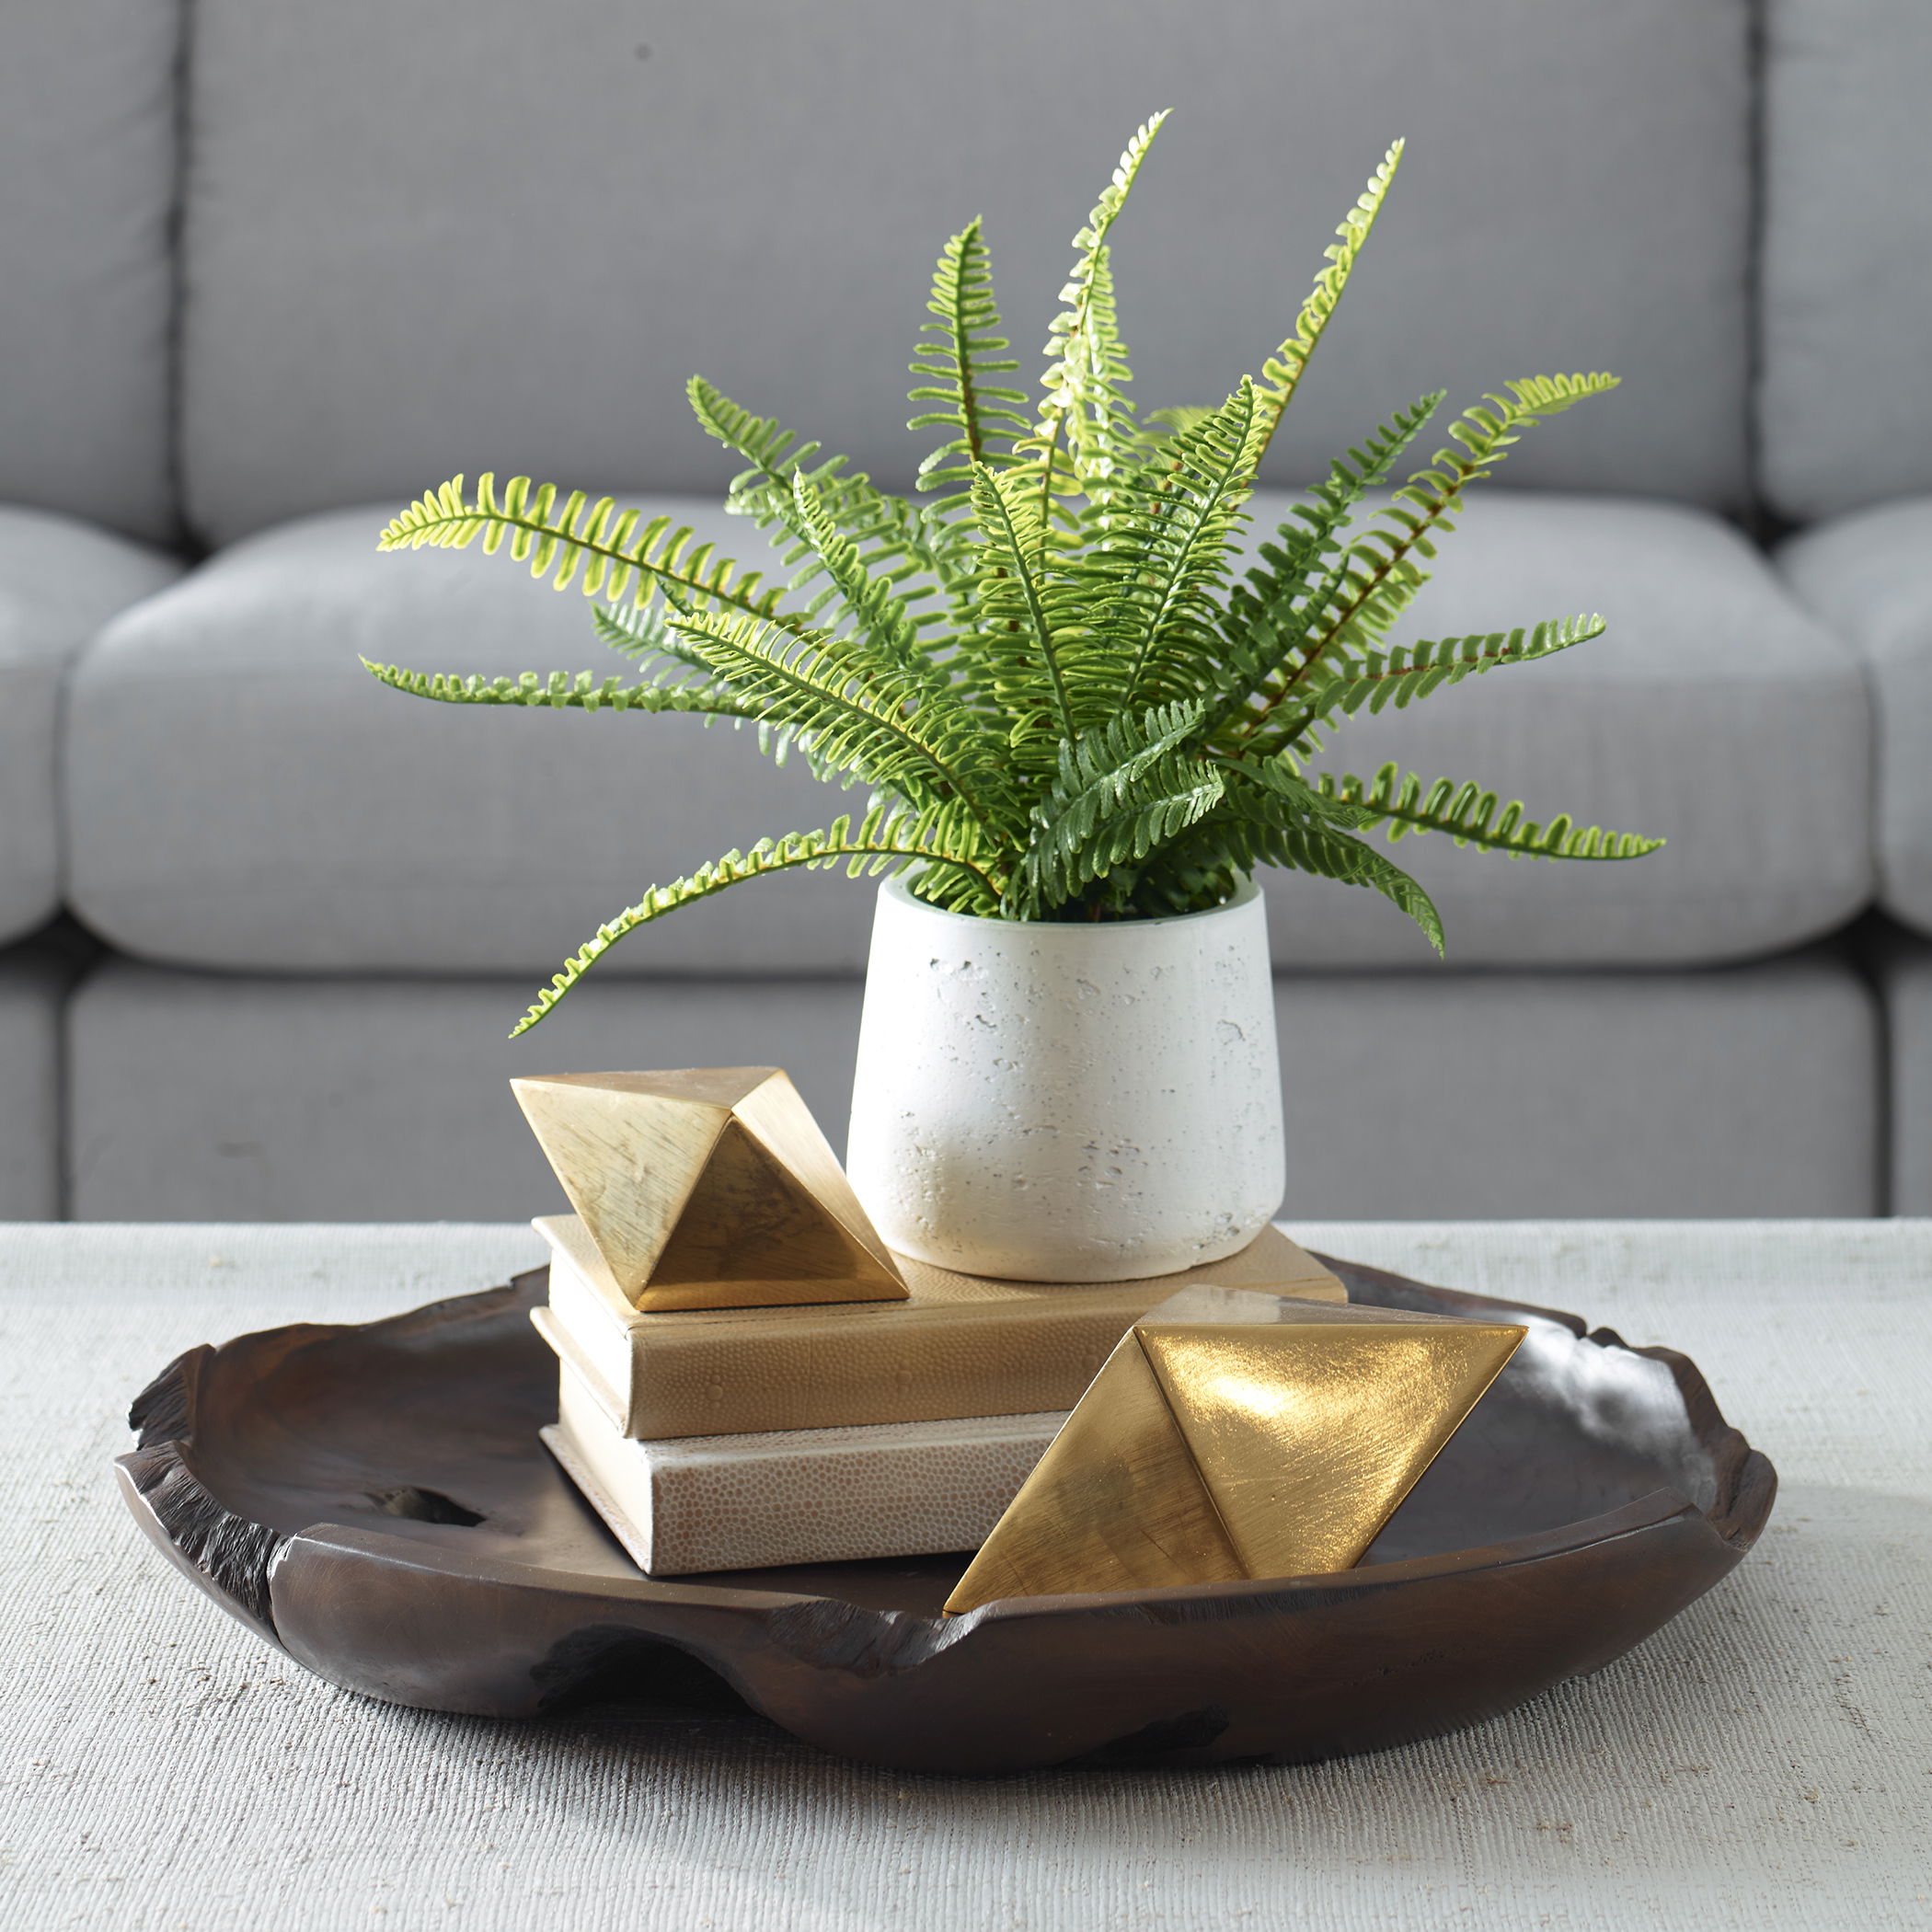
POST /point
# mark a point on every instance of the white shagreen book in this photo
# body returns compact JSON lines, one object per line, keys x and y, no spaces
{"x":795,"y":1496}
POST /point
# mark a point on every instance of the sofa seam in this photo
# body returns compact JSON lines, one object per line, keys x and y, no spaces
{"x":175,"y":229}
{"x":1766,"y":525}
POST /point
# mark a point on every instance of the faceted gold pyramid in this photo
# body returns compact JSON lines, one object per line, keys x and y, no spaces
{"x":1273,"y":1443}
{"x":708,"y":1188}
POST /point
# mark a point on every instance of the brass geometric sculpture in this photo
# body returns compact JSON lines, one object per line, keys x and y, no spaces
{"x":1233,"y":1434}
{"x":708,"y":1188}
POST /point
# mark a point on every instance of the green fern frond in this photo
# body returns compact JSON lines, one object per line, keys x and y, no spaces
{"x":1160,"y":573}
{"x":1168,"y":799}
{"x":1102,"y":435}
{"x":1483,"y":435}
{"x":639,"y":630}
{"x":1256,"y":825}
{"x":1470,"y":816}
{"x":1063,"y":704}
{"x":887,"y":531}
{"x":1023,"y":613}
{"x":774,"y":452}
{"x":859,"y":715}
{"x":1302,"y":798}
{"x":1540,"y":395}
{"x":1120,"y":792}
{"x":1267,"y":618}
{"x":642,"y":632}
{"x":873,"y":601}
{"x":1380,"y":574}
{"x":776,"y":456}
{"x":1282,"y":371}
{"x":1173,"y":419}
{"x":966,"y":349}
{"x":1329,"y":853}
{"x":619,"y":555}
{"x":1398,"y":678}
{"x":954,"y":873}
{"x":559,"y":691}
{"x":1079,"y":378}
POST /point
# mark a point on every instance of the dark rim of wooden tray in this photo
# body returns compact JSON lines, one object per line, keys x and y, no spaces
{"x":289,"y":1474}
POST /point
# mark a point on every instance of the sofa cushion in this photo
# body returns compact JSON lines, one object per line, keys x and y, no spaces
{"x":32,"y":985}
{"x":88,"y":152}
{"x":210,"y":1097}
{"x":1870,"y":577}
{"x":241,"y":793}
{"x":60,"y":581}
{"x":1846,"y":412}
{"x":198,"y":1096}
{"x":1518,"y":1096}
{"x":475,"y":233}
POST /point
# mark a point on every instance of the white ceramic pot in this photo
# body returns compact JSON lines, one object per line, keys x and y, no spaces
{"x":1067,"y":1103}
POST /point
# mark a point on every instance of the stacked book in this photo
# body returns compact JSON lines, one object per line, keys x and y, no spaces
{"x":817,"y":1428}
{"x":743,"y":1438}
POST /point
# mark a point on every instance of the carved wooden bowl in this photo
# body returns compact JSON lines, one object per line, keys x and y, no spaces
{"x":374,"y":1500}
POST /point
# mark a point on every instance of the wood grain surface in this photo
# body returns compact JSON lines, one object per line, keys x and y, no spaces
{"x":376,"y":1499}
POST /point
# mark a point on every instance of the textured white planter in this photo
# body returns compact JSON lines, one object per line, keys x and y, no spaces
{"x":1067,"y":1103}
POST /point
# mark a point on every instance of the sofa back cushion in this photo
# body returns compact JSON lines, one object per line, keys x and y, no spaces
{"x":471,"y":233}
{"x":1845,"y":408}
{"x":87,"y":158}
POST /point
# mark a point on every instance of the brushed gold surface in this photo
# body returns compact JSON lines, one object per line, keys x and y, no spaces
{"x":775,"y":1113}
{"x":1303,"y":1428}
{"x":708,"y":1186}
{"x":751,"y":1220}
{"x":958,"y":1345}
{"x":626,"y":1159}
{"x":1117,"y":1502}
{"x":1309,"y":1435}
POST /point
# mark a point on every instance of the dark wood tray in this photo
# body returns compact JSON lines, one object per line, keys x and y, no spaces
{"x":374,"y":1500}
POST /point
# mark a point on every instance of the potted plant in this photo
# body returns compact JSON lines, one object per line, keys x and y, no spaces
{"x":1081,"y":732}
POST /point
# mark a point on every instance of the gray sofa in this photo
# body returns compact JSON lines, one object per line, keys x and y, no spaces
{"x":267,"y":270}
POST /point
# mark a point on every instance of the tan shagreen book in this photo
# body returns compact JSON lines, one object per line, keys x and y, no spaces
{"x":958,"y":1345}
{"x":795,"y":1496}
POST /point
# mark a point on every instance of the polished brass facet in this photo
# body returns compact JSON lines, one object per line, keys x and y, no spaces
{"x":708,"y":1188}
{"x":1273,"y":1439}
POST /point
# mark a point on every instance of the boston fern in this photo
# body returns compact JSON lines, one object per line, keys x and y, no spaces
{"x":1065,"y":702}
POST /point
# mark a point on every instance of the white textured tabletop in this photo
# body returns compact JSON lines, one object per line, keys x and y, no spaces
{"x":1765,"y":1761}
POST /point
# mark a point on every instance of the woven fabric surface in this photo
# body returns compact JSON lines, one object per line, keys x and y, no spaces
{"x":1765,"y":1761}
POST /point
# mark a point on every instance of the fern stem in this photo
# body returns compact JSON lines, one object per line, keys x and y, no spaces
{"x":1042,"y":631}
{"x":752,"y":605}
{"x":1222,"y":476}
{"x":1284,"y":371}
{"x":793,"y":852}
{"x":787,"y":667}
{"x":1092,"y":239}
{"x":1386,"y":563}
{"x":969,"y":397}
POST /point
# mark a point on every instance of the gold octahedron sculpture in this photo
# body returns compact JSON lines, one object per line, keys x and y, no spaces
{"x":1233,"y":1434}
{"x":708,"y":1188}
